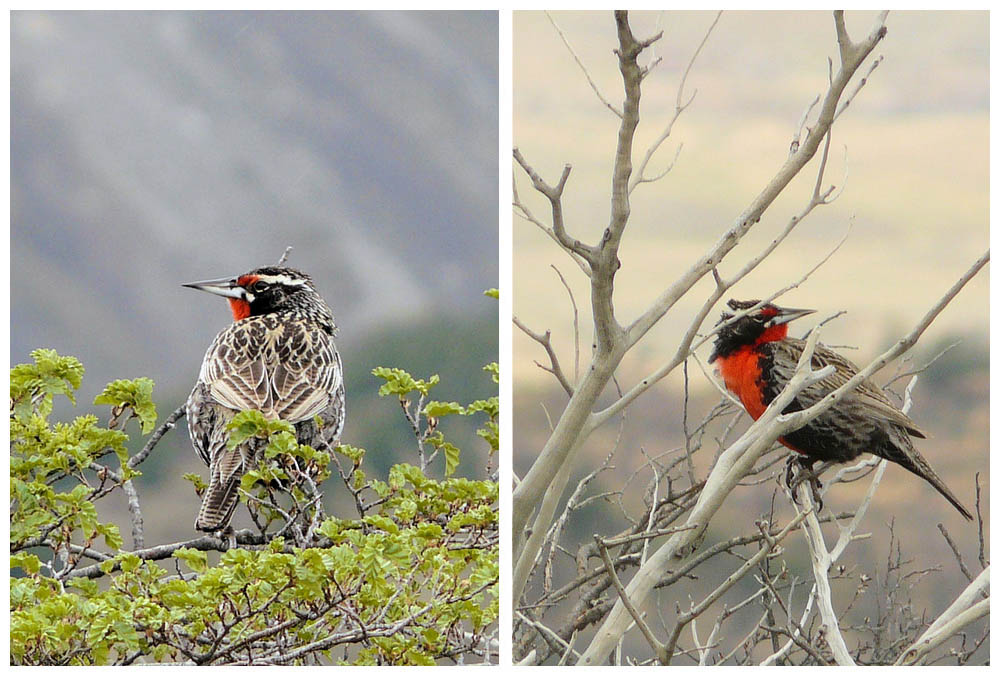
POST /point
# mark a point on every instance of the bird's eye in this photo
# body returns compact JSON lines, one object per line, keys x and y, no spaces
{"x":259,"y":287}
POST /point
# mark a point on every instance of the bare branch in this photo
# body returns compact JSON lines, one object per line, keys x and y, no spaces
{"x":154,"y":439}
{"x":861,"y":83}
{"x":586,"y":73}
{"x":736,"y":576}
{"x":660,"y":650}
{"x":794,"y":146}
{"x":752,"y":214}
{"x":544,"y":340}
{"x":959,"y":614}
{"x":204,"y":543}
{"x":576,"y":326}
{"x":522,"y":210}
{"x":548,"y":633}
{"x":554,"y":195}
{"x":687,"y":346}
{"x":954,"y":549}
{"x":679,"y":108}
{"x":135,"y":514}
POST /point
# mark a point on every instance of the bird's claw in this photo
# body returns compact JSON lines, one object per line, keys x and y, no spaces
{"x":798,"y":471}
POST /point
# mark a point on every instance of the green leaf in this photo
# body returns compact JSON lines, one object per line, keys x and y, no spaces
{"x":249,"y":424}
{"x":439,"y":409}
{"x":199,"y":483}
{"x":331,"y":527}
{"x":29,"y":563}
{"x":32,"y":386}
{"x":451,"y":456}
{"x":135,"y":394}
{"x":382,"y":523}
{"x":129,"y":562}
{"x":86,"y":586}
{"x":355,"y":454}
{"x":399,"y":382}
{"x":491,"y":433}
{"x":196,"y":560}
{"x":490,"y":407}
{"x":112,"y":536}
{"x":492,"y":293}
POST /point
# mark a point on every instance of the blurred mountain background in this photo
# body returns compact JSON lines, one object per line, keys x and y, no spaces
{"x":912,"y":154}
{"x":150,"y":149}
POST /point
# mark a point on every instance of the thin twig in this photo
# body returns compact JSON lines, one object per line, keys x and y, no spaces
{"x":543,"y":339}
{"x":586,"y":73}
{"x":659,"y":649}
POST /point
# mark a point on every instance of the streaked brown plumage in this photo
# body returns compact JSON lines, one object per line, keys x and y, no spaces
{"x":756,"y":358}
{"x":279,"y":358}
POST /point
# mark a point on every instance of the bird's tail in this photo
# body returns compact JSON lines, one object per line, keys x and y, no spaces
{"x":220,"y":499}
{"x":913,"y":461}
{"x":218,"y":506}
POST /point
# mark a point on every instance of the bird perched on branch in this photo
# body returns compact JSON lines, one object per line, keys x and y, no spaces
{"x":277,"y":357}
{"x":756,"y":359}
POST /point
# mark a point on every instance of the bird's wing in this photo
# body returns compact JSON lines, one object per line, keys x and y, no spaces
{"x":235,"y":368}
{"x":285,"y":370}
{"x":202,"y":419}
{"x":303,"y":383}
{"x":867,"y":393}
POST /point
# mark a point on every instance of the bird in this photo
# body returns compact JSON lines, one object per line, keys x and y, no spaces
{"x":756,"y":358}
{"x":277,"y":357}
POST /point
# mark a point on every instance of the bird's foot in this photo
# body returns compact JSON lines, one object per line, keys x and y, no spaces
{"x":228,"y":535}
{"x":799,"y":470}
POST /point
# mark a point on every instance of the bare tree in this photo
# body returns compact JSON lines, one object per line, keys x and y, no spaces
{"x":679,"y":504}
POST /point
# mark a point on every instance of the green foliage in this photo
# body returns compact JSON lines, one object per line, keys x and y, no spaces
{"x":398,"y":381}
{"x":51,"y":494}
{"x":402,"y":384}
{"x":439,"y":409}
{"x":136,"y":395}
{"x":411,"y":580}
{"x":247,"y":424}
{"x":33,"y":385}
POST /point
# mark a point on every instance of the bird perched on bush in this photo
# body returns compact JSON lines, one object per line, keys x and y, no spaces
{"x":277,"y":357}
{"x":756,"y":359}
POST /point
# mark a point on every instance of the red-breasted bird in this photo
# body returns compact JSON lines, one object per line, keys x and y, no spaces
{"x":277,"y":357}
{"x":756,"y":358}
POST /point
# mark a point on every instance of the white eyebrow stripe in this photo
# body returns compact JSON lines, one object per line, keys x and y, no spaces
{"x":281,"y":279}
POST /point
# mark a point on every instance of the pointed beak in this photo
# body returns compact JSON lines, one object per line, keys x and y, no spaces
{"x":788,"y":314}
{"x":226,"y":286}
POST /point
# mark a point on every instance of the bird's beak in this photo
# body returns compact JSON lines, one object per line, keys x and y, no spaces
{"x":788,"y":314}
{"x":226,"y":286}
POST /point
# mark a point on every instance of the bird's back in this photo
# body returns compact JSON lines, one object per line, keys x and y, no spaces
{"x":283,"y":365}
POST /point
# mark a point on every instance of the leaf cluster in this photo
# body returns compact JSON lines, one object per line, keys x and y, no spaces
{"x":411,"y":580}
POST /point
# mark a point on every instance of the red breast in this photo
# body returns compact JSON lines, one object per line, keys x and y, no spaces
{"x":742,"y":374}
{"x":740,"y":371}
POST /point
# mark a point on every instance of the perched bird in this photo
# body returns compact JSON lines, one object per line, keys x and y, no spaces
{"x":756,"y":358}
{"x":277,"y":357}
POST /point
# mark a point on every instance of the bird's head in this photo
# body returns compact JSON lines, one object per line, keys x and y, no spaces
{"x":765,"y":324}
{"x":268,"y":290}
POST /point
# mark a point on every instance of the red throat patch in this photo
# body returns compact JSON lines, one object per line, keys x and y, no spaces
{"x":240,"y":308}
{"x":773,"y":333}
